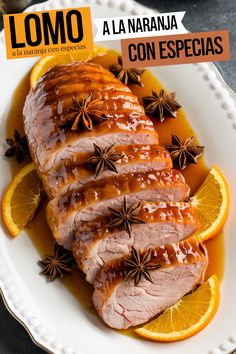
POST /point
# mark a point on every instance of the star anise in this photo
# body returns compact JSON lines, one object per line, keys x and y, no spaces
{"x":60,"y":263}
{"x":139,"y":265}
{"x":104,"y":159}
{"x":18,"y":147}
{"x":130,"y":75}
{"x":184,"y":153}
{"x":162,"y":105}
{"x":125,"y":217}
{"x":83,"y":113}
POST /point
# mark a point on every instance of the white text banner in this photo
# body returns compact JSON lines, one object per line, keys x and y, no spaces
{"x":114,"y":28}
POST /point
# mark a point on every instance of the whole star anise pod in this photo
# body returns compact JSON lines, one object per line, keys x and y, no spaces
{"x":162,"y":105}
{"x":125,"y":217}
{"x":18,"y":147}
{"x":184,"y":153}
{"x":60,"y":263}
{"x":83,"y":114}
{"x":130,"y":75}
{"x":139,"y":265}
{"x":104,"y":159}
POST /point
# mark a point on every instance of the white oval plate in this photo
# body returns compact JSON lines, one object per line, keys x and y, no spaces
{"x":53,"y":317}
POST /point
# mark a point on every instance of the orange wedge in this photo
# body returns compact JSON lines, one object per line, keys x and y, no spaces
{"x":187,"y":317}
{"x":211,"y":203}
{"x":47,"y":62}
{"x":21,"y":199}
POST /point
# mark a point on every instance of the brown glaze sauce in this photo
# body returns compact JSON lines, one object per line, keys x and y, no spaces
{"x":38,"y":230}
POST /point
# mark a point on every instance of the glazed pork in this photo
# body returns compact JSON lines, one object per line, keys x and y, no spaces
{"x":73,"y":111}
{"x":74,"y":173}
{"x":47,"y":105}
{"x":96,"y":243}
{"x":65,"y":213}
{"x":121,"y":304}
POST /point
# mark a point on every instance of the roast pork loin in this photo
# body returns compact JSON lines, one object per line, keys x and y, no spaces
{"x":80,"y":202}
{"x":96,"y":243}
{"x":121,"y":304}
{"x":65,"y":213}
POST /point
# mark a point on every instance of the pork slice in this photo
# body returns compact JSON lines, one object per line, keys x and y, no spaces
{"x":46,"y":111}
{"x":66,"y":212}
{"x":121,"y":304}
{"x":96,"y":243}
{"x":48,"y":149}
{"x":74,"y":173}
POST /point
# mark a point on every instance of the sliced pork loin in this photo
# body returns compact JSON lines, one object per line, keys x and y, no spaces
{"x":96,"y":243}
{"x":66,"y":212}
{"x":73,"y":174}
{"x":121,"y":304}
{"x":46,"y":111}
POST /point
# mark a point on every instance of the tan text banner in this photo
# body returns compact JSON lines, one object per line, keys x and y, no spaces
{"x":176,"y":49}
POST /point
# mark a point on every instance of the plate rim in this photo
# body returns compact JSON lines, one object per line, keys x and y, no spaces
{"x":39,"y":335}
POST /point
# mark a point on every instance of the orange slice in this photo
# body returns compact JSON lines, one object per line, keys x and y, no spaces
{"x":47,"y":62}
{"x":21,"y":199}
{"x":187,"y":317}
{"x":211,"y":203}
